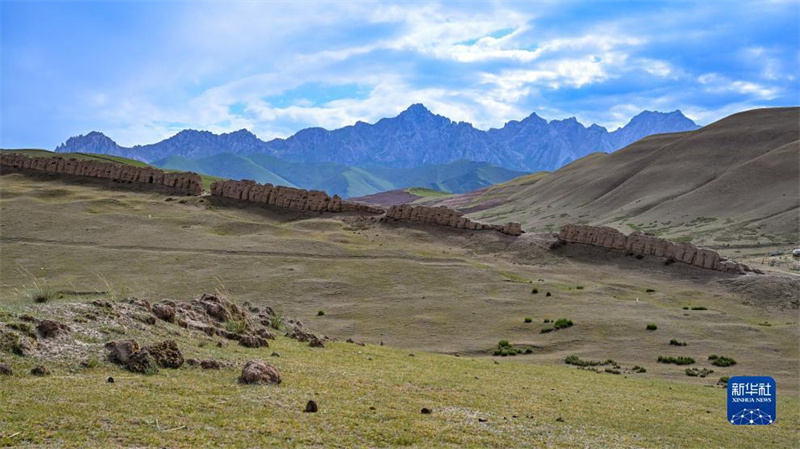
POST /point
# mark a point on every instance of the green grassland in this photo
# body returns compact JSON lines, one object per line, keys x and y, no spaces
{"x":368,"y":396}
{"x":435,"y":292}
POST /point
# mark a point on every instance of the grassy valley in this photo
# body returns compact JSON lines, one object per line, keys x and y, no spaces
{"x":445,"y":295}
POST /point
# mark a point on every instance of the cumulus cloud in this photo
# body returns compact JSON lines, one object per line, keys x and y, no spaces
{"x":224,"y":66}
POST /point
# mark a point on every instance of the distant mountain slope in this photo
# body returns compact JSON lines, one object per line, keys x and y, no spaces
{"x":400,"y":196}
{"x":414,"y":138}
{"x":460,"y":176}
{"x":734,"y":180}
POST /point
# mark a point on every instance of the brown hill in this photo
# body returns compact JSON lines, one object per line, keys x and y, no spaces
{"x":734,"y":181}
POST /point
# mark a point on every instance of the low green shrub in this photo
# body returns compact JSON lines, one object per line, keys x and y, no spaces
{"x":721,"y":360}
{"x":652,"y":326}
{"x":546,"y":330}
{"x":548,"y":294}
{"x":321,"y":313}
{"x":674,"y":342}
{"x":650,"y":290}
{"x":676,"y":360}
{"x":535,"y":291}
{"x":698,"y":372}
{"x":562,"y":323}
{"x":579,"y":287}
{"x":639,"y":369}
{"x":699,"y":308}
{"x":528,"y":319}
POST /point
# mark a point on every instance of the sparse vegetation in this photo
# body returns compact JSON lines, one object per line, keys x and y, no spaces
{"x":639,"y":369}
{"x":698,"y":372}
{"x":562,"y":323}
{"x":652,"y":326}
{"x":237,"y":326}
{"x":650,"y":290}
{"x":528,"y":319}
{"x":505,"y":348}
{"x":579,"y":287}
{"x":699,"y":308}
{"x":535,"y":291}
{"x":548,"y":294}
{"x":676,"y":360}
{"x":675,"y":342}
{"x":719,"y":360}
{"x":320,"y":313}
{"x":546,"y":330}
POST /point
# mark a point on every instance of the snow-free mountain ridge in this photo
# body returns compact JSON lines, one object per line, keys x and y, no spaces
{"x":414,"y":138}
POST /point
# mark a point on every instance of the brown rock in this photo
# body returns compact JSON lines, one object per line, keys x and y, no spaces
{"x":210,"y":364}
{"x":50,"y":329}
{"x":164,"y":312}
{"x":315,"y":342}
{"x":121,"y":351}
{"x":40,"y":370}
{"x":142,"y":362}
{"x":166,"y":354}
{"x":254,"y":341}
{"x":258,"y":372}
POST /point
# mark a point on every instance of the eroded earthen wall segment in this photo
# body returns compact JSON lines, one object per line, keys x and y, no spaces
{"x":288,"y":197}
{"x":185,"y":183}
{"x":444,"y":216}
{"x":650,"y":245}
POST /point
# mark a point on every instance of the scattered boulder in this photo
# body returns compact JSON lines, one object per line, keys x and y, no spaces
{"x":40,"y":370}
{"x":315,"y":342}
{"x":258,"y":372}
{"x":254,"y":341}
{"x":164,"y":312}
{"x":210,"y":364}
{"x":263,"y":333}
{"x":121,"y":351}
{"x":142,"y":362}
{"x":311,"y":407}
{"x":166,"y":354}
{"x":5,"y":369}
{"x":51,"y":329}
{"x":350,"y":340}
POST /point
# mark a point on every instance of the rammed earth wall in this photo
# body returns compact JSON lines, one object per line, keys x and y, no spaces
{"x":650,"y":245}
{"x":444,"y":216}
{"x":183,"y":183}
{"x":288,"y":197}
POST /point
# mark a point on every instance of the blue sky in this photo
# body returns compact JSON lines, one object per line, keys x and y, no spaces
{"x":141,"y":71}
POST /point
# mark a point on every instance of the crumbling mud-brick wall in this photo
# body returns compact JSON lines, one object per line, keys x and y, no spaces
{"x":650,"y":245}
{"x":183,"y":183}
{"x":444,"y":216}
{"x":288,"y":197}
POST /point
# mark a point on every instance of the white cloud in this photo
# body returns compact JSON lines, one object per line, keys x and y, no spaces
{"x":718,"y":84}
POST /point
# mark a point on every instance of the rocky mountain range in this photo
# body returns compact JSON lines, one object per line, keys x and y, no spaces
{"x":414,"y":138}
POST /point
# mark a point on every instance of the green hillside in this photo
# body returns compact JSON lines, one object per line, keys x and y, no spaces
{"x":31,"y":152}
{"x":458,"y":177}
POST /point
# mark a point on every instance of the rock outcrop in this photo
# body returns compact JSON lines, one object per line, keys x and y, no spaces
{"x":649,"y":245}
{"x":181,"y":183}
{"x":288,"y":197}
{"x":444,"y":216}
{"x":258,"y":372}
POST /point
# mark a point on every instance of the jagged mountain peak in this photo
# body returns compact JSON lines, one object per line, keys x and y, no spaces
{"x":414,"y":137}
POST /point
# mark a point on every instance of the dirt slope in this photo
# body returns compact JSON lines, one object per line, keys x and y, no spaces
{"x":736,"y":180}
